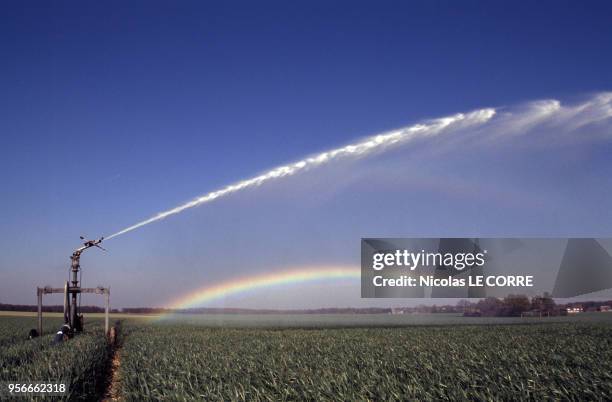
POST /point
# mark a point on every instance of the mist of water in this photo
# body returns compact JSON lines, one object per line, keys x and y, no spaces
{"x":364,"y":147}
{"x":489,"y":124}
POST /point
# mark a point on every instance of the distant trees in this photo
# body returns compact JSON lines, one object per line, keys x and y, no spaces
{"x":515,"y":305}
{"x":47,"y":309}
{"x":463,"y":305}
{"x":511,"y":305}
{"x":544,"y":304}
{"x":490,"y":306}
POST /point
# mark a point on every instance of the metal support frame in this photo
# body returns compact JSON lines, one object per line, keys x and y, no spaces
{"x":72,"y":290}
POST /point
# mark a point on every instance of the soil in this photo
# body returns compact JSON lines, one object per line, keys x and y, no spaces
{"x":112,"y":390}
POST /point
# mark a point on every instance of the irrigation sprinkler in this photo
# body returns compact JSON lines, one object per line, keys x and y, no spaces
{"x":72,"y":291}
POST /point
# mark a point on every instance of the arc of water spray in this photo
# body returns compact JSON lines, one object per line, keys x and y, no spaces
{"x":366,"y":146}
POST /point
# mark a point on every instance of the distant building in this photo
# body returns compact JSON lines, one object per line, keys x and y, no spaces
{"x":575,"y":309}
{"x":604,"y":309}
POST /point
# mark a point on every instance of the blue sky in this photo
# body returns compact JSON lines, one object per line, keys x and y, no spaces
{"x":111,"y":112}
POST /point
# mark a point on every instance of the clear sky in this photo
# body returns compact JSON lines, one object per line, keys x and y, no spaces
{"x":113,"y":111}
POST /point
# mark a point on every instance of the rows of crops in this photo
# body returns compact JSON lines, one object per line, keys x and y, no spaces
{"x":81,"y":363}
{"x":15,"y":329}
{"x":539,"y":361}
{"x":175,"y":360}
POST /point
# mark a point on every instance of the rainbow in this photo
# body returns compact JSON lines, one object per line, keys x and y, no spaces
{"x":245,"y":284}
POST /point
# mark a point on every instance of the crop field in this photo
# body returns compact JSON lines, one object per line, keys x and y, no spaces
{"x":191,"y":359}
{"x":80,"y":363}
{"x":14,"y":328}
{"x":567,"y":361}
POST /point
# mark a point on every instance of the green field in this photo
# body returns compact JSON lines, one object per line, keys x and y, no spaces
{"x":332,"y":357}
{"x":81,"y":363}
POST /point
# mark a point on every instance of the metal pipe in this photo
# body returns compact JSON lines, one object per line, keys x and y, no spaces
{"x":106,"y":312}
{"x":73,"y":311}
{"x":66,"y":302}
{"x":39,"y":294}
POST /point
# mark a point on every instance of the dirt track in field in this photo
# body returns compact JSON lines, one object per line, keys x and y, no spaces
{"x":112,"y":391}
{"x":112,"y":387}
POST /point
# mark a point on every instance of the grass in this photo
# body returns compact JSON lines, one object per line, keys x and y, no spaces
{"x":80,"y":363}
{"x":487,"y":362}
{"x":323,"y":358}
